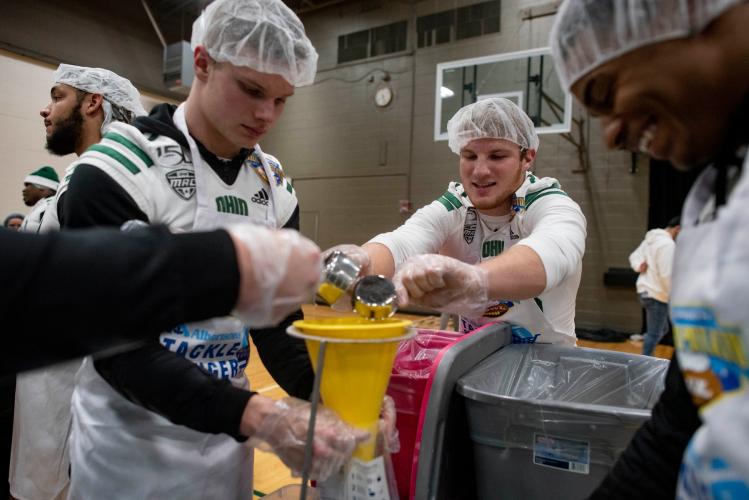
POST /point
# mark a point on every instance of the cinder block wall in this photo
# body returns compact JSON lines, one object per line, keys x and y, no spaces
{"x":352,"y":162}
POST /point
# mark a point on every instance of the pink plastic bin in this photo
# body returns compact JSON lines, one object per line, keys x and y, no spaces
{"x":413,"y":365}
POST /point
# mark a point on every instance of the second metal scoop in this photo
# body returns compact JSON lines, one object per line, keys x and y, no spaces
{"x":372,"y":297}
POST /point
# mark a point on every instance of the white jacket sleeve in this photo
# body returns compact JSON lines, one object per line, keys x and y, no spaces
{"x":556,"y":229}
{"x":637,"y":257}
{"x":426,"y":231}
{"x":664,"y":256}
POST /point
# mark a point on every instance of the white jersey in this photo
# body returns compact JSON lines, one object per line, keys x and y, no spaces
{"x":51,"y":220}
{"x":117,"y":447}
{"x":711,"y":332}
{"x":543,"y":218}
{"x":33,"y":221}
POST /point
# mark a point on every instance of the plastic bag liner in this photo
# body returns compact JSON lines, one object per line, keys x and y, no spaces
{"x":411,"y":370}
{"x":586,"y":402}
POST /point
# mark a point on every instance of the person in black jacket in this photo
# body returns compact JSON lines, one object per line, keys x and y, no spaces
{"x":671,"y":80}
{"x":133,"y":282}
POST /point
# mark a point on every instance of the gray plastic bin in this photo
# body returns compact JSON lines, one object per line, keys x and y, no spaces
{"x":549,"y":421}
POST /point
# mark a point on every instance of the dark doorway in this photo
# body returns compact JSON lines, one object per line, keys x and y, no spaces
{"x":668,"y":190}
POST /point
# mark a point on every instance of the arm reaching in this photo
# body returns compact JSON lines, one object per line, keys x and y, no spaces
{"x":443,"y":283}
{"x":281,"y":427}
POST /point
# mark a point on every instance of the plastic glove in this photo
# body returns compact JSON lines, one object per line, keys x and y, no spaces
{"x":390,"y":440}
{"x":361,"y":258}
{"x":279,"y":270}
{"x":283,"y":431}
{"x":443,"y":283}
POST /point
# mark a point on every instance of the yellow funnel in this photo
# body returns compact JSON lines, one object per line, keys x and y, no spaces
{"x":355,"y":375}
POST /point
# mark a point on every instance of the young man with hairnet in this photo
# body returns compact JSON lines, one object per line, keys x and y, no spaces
{"x":39,"y":188}
{"x":170,"y":419}
{"x":523,"y":232}
{"x":671,"y":79}
{"x":84,"y":102}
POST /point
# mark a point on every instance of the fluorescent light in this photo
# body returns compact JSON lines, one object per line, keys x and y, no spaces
{"x":446,"y":92}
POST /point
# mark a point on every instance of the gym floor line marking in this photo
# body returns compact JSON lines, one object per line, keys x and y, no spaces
{"x":268,"y":388}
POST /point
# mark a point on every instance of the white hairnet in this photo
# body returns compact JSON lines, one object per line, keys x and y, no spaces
{"x":587,"y":33}
{"x":264,"y":35}
{"x":495,"y":118}
{"x":115,"y":89}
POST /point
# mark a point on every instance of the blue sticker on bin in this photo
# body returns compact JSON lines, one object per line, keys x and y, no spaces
{"x":561,"y":453}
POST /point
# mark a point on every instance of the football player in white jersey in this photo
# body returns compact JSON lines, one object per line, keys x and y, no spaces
{"x":83,"y":103}
{"x":39,"y":187}
{"x":510,"y":243}
{"x":170,"y":419}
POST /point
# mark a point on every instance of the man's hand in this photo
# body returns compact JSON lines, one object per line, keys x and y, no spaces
{"x":442,"y":283}
{"x":281,"y":427}
{"x":279,"y":270}
{"x":643,"y":267}
{"x":361,"y":259}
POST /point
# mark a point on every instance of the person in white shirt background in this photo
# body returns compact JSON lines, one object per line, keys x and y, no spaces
{"x":653,"y":259}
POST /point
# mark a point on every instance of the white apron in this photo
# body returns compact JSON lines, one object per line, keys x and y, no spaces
{"x":41,"y":422}
{"x":39,"y":459}
{"x":710,"y":313}
{"x":122,"y":450}
{"x":33,"y":221}
{"x":530,"y":323}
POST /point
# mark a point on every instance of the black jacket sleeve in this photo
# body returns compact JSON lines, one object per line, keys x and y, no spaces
{"x":649,"y":467}
{"x":68,"y":294}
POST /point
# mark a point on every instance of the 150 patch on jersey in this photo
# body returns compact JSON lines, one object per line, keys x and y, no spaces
{"x":469,"y":228}
{"x":182,"y":182}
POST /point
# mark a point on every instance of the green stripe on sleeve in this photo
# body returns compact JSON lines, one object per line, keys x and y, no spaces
{"x":445,"y":203}
{"x":452,"y":199}
{"x":535,"y":196}
{"x":106,"y":150}
{"x":131,"y":146}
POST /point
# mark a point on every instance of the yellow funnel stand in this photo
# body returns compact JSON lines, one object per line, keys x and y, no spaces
{"x":358,"y":360}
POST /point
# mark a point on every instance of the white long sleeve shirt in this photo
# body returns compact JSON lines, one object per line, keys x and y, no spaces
{"x":544,"y":219}
{"x":657,"y":249}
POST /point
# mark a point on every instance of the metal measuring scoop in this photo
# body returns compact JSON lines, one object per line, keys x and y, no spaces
{"x":372,"y":297}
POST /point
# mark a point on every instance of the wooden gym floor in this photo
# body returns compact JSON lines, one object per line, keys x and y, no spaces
{"x":271,"y":474}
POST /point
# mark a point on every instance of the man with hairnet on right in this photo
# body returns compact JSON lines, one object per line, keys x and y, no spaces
{"x":671,"y":79}
{"x":500,"y":245}
{"x":175,"y":418}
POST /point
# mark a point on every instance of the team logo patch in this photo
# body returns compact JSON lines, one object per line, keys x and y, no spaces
{"x":257,"y":166}
{"x":469,"y":228}
{"x":498,"y":309}
{"x":173,"y":155}
{"x":513,"y":236}
{"x":261,"y":198}
{"x":182,"y":182}
{"x":278,"y":174}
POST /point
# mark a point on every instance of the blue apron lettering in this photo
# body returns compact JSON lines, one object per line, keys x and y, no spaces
{"x":233,"y":349}
{"x":196,"y":350}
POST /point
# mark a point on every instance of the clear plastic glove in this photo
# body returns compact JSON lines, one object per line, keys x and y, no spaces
{"x":361,"y":258}
{"x":390,"y":440}
{"x":283,"y":431}
{"x":279,"y":270}
{"x":443,"y":283}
